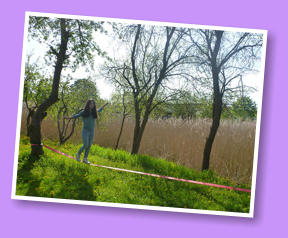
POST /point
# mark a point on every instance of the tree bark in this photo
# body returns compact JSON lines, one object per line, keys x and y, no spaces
{"x":217,"y":102}
{"x":40,"y":113}
{"x":120,"y":133}
{"x":138,"y":133}
{"x":63,"y":136}
{"x":140,"y":126}
{"x":136,"y":141}
{"x":28,"y":120}
{"x":123,"y":120}
{"x":217,"y":110}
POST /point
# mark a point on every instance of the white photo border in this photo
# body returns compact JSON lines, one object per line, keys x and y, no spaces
{"x":142,"y":207}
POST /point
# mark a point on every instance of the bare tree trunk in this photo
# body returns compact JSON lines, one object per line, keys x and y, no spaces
{"x":136,"y":140}
{"x":120,"y":133}
{"x":63,"y":137}
{"x":138,"y":133}
{"x":217,"y":109}
{"x":140,"y":125}
{"x":28,"y":120}
{"x":35,"y":134}
{"x":124,"y":115}
{"x":30,"y":112}
{"x":40,"y":113}
{"x":217,"y":102}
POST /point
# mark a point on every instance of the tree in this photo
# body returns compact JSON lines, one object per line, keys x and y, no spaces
{"x":125,"y":113}
{"x":223,"y":57}
{"x":75,"y":45}
{"x":72,"y":99}
{"x":244,"y":108}
{"x":186,"y":106}
{"x":155,"y":53}
{"x":81,"y":91}
{"x":63,"y":132}
{"x":35,"y":89}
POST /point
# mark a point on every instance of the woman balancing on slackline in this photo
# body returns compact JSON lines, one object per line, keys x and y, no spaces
{"x":89,"y":116}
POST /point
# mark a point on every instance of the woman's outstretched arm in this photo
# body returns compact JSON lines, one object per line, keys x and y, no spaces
{"x":101,"y":108}
{"x":74,"y":116}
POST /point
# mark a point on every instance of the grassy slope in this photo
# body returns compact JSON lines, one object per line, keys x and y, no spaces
{"x":59,"y":177}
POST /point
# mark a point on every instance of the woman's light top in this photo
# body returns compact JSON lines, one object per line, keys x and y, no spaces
{"x":88,"y":122}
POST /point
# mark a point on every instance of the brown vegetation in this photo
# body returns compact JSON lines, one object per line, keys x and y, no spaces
{"x":179,"y":141}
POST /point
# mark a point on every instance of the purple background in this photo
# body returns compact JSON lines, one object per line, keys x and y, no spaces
{"x":38,"y":219}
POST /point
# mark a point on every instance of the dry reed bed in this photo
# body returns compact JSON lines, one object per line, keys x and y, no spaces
{"x":179,"y":141}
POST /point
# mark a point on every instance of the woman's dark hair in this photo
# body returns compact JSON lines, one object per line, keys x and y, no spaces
{"x":87,"y":111}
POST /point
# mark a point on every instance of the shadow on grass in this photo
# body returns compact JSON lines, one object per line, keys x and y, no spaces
{"x":24,"y":175}
{"x":46,"y":177}
{"x":179,"y":194}
{"x":64,"y":184}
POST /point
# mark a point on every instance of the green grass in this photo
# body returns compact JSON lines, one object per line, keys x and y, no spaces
{"x":56,"y":176}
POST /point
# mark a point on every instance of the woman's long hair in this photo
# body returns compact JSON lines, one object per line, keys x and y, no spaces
{"x":87,"y":110}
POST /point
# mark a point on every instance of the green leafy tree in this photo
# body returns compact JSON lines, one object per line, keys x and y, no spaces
{"x":79,"y":92}
{"x":244,"y":108}
{"x":73,"y":98}
{"x":36,"y":90}
{"x":69,"y":43}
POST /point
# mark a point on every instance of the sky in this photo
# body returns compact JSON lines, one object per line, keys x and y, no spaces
{"x":111,"y":46}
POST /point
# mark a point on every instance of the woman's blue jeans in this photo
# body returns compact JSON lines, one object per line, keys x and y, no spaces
{"x":87,"y":137}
